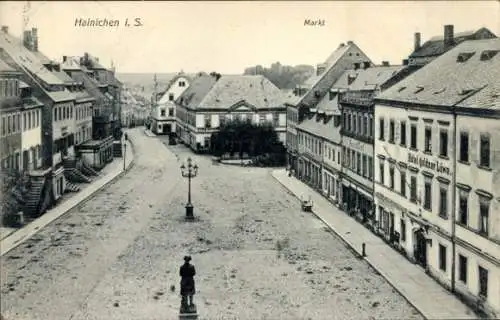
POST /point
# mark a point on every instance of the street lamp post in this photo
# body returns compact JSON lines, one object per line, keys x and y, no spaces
{"x":189,"y":171}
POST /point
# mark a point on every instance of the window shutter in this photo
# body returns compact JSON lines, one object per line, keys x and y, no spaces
{"x":397,"y":131}
{"x":474,"y":148}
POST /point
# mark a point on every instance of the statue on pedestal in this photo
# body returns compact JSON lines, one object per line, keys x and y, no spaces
{"x":187,"y":273}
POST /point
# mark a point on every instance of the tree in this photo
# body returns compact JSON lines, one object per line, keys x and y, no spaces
{"x":240,"y":137}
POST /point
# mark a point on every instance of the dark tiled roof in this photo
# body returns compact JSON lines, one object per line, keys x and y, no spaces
{"x":445,"y":81}
{"x":366,"y":79}
{"x":257,"y":91}
{"x":435,"y":46}
{"x":319,"y":127}
{"x":487,"y":98}
{"x":196,"y":91}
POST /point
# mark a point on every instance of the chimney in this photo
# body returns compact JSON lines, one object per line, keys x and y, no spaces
{"x":385,"y":63}
{"x":349,"y":42}
{"x":5,"y":29}
{"x":34,"y":37}
{"x":416,"y":42}
{"x":27,"y":39}
{"x":320,"y":68}
{"x":356,"y":65}
{"x":65,"y":58}
{"x":405,"y":62}
{"x":366,"y":64}
{"x":448,"y":35}
{"x":341,"y":45}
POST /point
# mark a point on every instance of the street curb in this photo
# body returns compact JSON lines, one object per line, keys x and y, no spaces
{"x":83,"y":201}
{"x":382,"y":273}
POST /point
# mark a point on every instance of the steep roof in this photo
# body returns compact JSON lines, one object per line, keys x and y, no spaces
{"x":315,"y":79}
{"x":4,"y":67}
{"x":255,"y":90}
{"x":27,"y":59}
{"x":196,"y":91}
{"x":453,"y":77}
{"x":319,"y":127}
{"x":163,"y":95}
{"x":435,"y":46}
{"x":366,"y":79}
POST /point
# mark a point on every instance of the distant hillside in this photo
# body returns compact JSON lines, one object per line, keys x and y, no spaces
{"x":284,"y":77}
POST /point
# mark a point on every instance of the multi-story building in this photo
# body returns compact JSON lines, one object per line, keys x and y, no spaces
{"x":357,"y":88}
{"x":163,"y":111}
{"x":57,"y":122}
{"x":306,"y":96}
{"x":336,"y":141}
{"x":106,"y":118}
{"x":11,"y":113}
{"x":211,"y":100}
{"x":437,"y":169}
{"x":95,"y":145}
{"x":436,"y":46}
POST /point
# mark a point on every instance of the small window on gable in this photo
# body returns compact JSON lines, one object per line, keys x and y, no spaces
{"x":464,"y":56}
{"x":488,"y":54}
{"x":419,"y":89}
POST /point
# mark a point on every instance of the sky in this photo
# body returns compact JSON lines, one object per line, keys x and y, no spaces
{"x":227,"y":37}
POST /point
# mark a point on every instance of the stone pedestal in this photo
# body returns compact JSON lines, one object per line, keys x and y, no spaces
{"x":188,"y":312}
{"x":189,"y":212}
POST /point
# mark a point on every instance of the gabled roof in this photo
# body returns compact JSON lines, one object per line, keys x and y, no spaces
{"x":196,"y":91}
{"x":163,"y":95}
{"x":435,"y":46}
{"x":366,"y":79}
{"x":254,"y":90}
{"x":4,"y":67}
{"x":316,"y":125}
{"x":22,"y":56}
{"x":329,"y":64}
{"x":458,"y":75}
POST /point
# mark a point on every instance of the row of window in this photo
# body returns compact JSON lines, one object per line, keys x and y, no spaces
{"x":83,"y":135}
{"x":14,"y":161}
{"x":20,"y":121}
{"x":359,"y":123}
{"x":163,"y":112}
{"x":331,"y":154}
{"x":426,"y":202}
{"x":358,"y":162}
{"x":83,"y":111}
{"x":314,"y":145}
{"x":9,"y":88}
{"x":484,"y":145}
{"x":463,"y":270}
{"x":292,"y":115}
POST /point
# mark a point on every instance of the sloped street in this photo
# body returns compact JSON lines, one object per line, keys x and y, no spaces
{"x":257,"y":255}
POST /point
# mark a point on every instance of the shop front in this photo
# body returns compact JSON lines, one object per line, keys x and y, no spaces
{"x":357,"y":200}
{"x":310,"y":172}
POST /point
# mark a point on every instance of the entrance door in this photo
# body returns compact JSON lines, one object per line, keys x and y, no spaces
{"x":420,"y":251}
{"x":26,"y":159}
{"x":167,"y":128}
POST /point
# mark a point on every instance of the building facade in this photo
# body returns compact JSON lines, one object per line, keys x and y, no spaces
{"x":306,"y":96}
{"x":211,"y":100}
{"x":437,"y":166}
{"x":163,"y":118}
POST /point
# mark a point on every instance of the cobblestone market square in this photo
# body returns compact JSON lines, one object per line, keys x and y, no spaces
{"x":258,"y":256}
